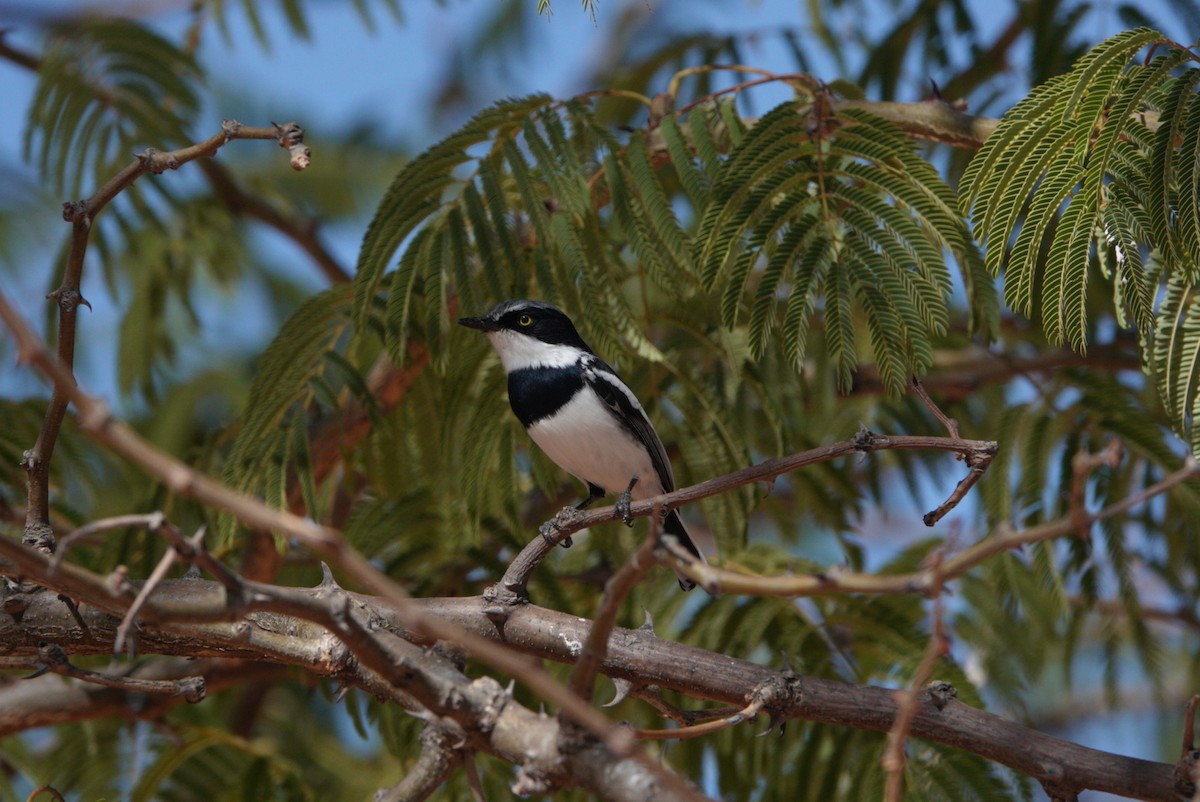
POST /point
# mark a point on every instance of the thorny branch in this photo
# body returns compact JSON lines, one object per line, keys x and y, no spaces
{"x":81,"y":215}
{"x":52,"y":658}
{"x":99,"y":423}
{"x":182,"y":606}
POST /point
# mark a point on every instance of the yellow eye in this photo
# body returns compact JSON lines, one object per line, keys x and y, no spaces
{"x":525,"y":320}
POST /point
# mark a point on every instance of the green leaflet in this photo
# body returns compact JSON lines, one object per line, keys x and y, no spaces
{"x":522,"y":201}
{"x":852,"y":224}
{"x":417,"y":192}
{"x":107,"y":87}
{"x":285,"y":380}
{"x":1058,"y":148}
{"x":1096,"y":173}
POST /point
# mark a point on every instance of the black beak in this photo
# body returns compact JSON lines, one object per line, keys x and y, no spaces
{"x":480,"y":323}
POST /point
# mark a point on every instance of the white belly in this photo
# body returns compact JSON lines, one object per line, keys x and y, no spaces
{"x":586,"y":441}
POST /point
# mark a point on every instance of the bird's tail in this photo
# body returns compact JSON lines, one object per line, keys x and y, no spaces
{"x":673,"y":527}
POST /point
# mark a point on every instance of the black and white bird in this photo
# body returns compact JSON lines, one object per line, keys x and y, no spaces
{"x":578,"y":410}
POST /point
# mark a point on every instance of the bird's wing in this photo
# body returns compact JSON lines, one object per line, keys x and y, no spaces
{"x":608,"y":385}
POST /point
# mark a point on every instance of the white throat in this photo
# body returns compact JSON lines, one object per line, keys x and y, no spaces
{"x":518,"y":351}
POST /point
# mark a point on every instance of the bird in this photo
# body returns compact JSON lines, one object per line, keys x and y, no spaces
{"x":579,"y":412}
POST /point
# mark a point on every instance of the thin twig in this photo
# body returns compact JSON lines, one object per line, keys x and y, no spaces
{"x":81,"y":215}
{"x":832,"y":581}
{"x":595,"y":648}
{"x":950,"y":424}
{"x":748,"y":712}
{"x":685,"y":718}
{"x":977,"y":462}
{"x":156,"y":576}
{"x":150,"y":520}
{"x":907,"y":701}
{"x":52,"y":658}
{"x":977,"y":452}
{"x":1083,"y":464}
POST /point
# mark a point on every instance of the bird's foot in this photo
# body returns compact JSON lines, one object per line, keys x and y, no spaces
{"x":625,"y":501}
{"x":551,"y":528}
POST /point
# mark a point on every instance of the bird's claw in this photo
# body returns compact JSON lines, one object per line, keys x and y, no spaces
{"x":549,"y":530}
{"x":624,"y":502}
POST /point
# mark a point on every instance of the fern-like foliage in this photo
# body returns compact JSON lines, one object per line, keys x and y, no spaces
{"x":1094,"y":176}
{"x":299,"y":371}
{"x":657,"y":242}
{"x":105,"y":87}
{"x":848,"y":224}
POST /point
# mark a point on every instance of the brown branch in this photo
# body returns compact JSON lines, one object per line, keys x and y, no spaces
{"x":946,"y":421}
{"x":634,"y":655}
{"x":53,"y":658}
{"x":1083,"y":465}
{"x":149,"y":521}
{"x":410,"y":672}
{"x":893,"y":760}
{"x":583,"y":676}
{"x":511,"y":587}
{"x":81,"y":215}
{"x":922,"y":582}
{"x":36,"y":792}
{"x":977,"y":463}
{"x":130,"y":618}
{"x":436,"y":761}
{"x":302,"y":231}
{"x":17,"y":56}
{"x":747,"y":713}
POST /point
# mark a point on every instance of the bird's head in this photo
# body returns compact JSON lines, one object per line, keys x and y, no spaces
{"x":530,"y":334}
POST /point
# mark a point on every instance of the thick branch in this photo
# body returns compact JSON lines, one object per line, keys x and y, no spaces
{"x":634,"y":655}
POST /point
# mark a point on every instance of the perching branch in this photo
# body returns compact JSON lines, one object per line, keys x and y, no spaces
{"x":511,"y":587}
